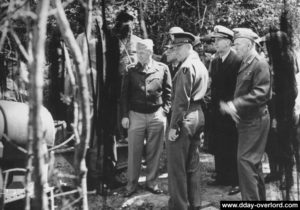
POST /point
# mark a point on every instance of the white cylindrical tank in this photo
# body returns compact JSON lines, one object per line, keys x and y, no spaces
{"x":14,"y":118}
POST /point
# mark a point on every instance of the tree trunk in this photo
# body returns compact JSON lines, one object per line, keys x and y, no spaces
{"x":142,"y":19}
{"x":35,"y":133}
{"x":84,"y":107}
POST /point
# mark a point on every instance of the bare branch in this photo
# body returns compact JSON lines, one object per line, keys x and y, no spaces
{"x":5,"y":26}
{"x":25,"y":14}
{"x":187,"y":3}
{"x":66,"y":193}
{"x":35,"y":131}
{"x":142,"y":21}
{"x":62,"y":144}
{"x":64,"y":4}
{"x":20,"y":45}
{"x":85,"y":5}
{"x":198,"y":12}
{"x":29,"y":167}
{"x":3,"y":36}
{"x":11,"y":12}
{"x":69,"y":69}
{"x":72,"y":203}
{"x":128,"y":3}
{"x":7,"y":139}
{"x":84,"y":127}
{"x":203,"y":18}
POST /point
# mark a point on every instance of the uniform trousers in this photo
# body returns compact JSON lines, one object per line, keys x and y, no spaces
{"x":152,"y":128}
{"x":225,"y":140}
{"x":252,"y":139}
{"x":184,"y":162}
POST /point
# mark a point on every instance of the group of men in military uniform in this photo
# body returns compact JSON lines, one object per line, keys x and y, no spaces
{"x":146,"y":101}
{"x":241,"y":96}
{"x":240,"y":89}
{"x":223,"y":133}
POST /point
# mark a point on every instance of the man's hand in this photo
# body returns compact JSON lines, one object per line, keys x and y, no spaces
{"x":173,"y":135}
{"x":226,"y":109}
{"x":125,"y":122}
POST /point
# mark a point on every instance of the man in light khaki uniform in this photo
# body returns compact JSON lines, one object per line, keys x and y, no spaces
{"x":249,"y":110}
{"x":187,"y":122}
{"x":145,"y":100}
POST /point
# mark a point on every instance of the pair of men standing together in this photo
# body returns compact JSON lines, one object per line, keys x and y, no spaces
{"x":240,"y":89}
{"x":146,"y":99}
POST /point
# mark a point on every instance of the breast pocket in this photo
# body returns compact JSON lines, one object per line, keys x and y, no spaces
{"x":247,"y":75}
{"x":153,"y":80}
{"x":154,"y":84}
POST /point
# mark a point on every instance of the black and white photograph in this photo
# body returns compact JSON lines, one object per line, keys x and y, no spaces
{"x":149,"y":104}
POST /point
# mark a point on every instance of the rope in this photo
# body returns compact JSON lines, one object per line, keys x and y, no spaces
{"x":8,"y":140}
{"x":59,"y":151}
{"x":62,"y":144}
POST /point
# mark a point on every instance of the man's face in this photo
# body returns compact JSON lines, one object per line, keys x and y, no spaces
{"x":221,"y":44}
{"x":242,"y":46}
{"x":143,"y":55}
{"x":181,"y":52}
{"x":126,"y":29}
{"x":171,"y":55}
{"x":176,"y":53}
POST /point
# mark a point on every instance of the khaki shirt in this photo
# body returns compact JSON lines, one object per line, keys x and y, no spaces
{"x":145,"y":90}
{"x":189,"y":85}
{"x":253,"y":87}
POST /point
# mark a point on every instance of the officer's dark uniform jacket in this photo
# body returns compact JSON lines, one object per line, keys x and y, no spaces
{"x":224,"y":75}
{"x":253,"y":89}
{"x":144,"y":91}
{"x":189,"y":86}
{"x":223,"y":133}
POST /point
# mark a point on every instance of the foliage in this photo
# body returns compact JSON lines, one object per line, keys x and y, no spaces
{"x":196,"y":16}
{"x":258,"y":15}
{"x":200,"y":16}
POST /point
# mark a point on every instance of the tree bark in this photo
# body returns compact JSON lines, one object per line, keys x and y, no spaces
{"x":84,"y":107}
{"x":142,"y":19}
{"x":35,"y":133}
{"x":30,"y":141}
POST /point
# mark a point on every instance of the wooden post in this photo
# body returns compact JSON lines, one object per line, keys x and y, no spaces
{"x":84,"y":105}
{"x":35,"y":133}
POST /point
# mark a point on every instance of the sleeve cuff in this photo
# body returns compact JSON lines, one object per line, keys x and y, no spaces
{"x":231,"y":106}
{"x":126,"y":115}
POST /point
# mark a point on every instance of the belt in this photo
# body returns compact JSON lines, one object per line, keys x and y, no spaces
{"x":196,"y":102}
{"x":256,"y":114}
{"x":145,"y":110}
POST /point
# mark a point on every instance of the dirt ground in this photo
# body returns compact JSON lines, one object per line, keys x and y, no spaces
{"x":143,"y":200}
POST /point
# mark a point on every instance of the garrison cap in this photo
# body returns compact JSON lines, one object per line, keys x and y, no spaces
{"x":175,"y":29}
{"x":183,"y":38}
{"x":245,"y":33}
{"x":222,"y":32}
{"x":124,"y":16}
{"x":145,"y":44}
